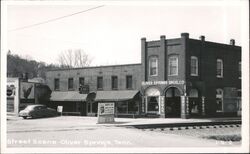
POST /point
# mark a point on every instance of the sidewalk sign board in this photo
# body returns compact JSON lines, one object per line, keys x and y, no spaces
{"x":106,"y":112}
{"x":60,"y":109}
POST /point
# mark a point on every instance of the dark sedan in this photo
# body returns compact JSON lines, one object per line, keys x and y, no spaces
{"x":37,"y":111}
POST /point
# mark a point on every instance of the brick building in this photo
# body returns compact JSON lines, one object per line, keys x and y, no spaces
{"x":117,"y":83}
{"x":180,"y":77}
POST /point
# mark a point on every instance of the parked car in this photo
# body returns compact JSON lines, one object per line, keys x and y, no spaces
{"x":37,"y":111}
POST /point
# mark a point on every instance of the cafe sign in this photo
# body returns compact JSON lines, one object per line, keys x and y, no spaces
{"x":167,"y":82}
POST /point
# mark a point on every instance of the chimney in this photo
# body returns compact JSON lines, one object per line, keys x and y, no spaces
{"x":185,"y":35}
{"x":202,"y":38}
{"x":232,"y":42}
{"x":163,"y":37}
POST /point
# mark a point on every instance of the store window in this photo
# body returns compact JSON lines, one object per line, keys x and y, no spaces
{"x":114,"y":82}
{"x":194,"y":66}
{"x":239,"y":70}
{"x":70,"y":84}
{"x":219,"y":100}
{"x":99,"y":82}
{"x":173,"y":65}
{"x":56,"y":84}
{"x":153,"y":66}
{"x":219,"y":68}
{"x":153,"y":104}
{"x":81,"y":81}
{"x":129,"y":81}
{"x":122,"y":107}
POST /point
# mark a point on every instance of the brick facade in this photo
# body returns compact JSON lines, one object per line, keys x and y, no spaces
{"x":164,"y":78}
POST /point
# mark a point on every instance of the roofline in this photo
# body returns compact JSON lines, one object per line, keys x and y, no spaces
{"x":91,"y":67}
{"x":217,"y":43}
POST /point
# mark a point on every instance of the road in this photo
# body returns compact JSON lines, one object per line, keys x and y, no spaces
{"x":84,"y":132}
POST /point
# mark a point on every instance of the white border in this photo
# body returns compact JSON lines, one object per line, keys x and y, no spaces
{"x":245,"y":77}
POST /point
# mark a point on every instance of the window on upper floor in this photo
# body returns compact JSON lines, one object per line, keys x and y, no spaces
{"x":219,"y":100}
{"x":81,"y":81}
{"x":239,"y":70}
{"x":70,"y":83}
{"x":219,"y":68}
{"x":99,"y":82}
{"x":129,"y":81}
{"x":194,"y":66}
{"x":173,"y":65}
{"x":114,"y":82}
{"x":56,"y":84}
{"x":153,"y":66}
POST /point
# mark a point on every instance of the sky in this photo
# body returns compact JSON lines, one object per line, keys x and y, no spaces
{"x":112,"y":34}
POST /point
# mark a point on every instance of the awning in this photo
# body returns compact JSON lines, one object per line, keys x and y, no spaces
{"x":121,"y":95}
{"x":67,"y":96}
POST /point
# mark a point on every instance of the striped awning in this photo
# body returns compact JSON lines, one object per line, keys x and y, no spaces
{"x":67,"y":96}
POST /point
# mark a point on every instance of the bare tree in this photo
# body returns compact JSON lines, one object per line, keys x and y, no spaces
{"x":74,"y":58}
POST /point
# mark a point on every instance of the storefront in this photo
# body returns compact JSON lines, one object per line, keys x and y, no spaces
{"x":73,"y":102}
{"x":126,"y":102}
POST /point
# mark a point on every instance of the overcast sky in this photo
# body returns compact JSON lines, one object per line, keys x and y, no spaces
{"x":112,"y":34}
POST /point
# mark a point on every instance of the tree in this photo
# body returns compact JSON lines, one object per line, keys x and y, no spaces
{"x":74,"y":58}
{"x":17,"y":66}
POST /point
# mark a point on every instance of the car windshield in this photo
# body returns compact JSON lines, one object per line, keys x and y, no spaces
{"x":31,"y":107}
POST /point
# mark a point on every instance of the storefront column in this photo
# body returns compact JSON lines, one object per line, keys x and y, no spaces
{"x":184,"y":107}
{"x":162,"y":106}
{"x":203,"y":106}
{"x":146,"y":104}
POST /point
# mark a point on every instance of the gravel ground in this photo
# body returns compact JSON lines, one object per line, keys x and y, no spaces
{"x":204,"y":132}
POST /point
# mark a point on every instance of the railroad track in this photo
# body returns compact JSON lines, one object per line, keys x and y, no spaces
{"x":185,"y":126}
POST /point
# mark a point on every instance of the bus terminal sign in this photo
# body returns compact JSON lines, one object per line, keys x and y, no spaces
{"x":168,"y":82}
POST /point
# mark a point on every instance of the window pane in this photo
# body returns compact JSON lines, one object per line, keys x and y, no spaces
{"x":81,"y":81}
{"x":56,"y":84}
{"x":219,"y":67}
{"x":70,"y":83}
{"x":194,"y":66}
{"x":114,"y":82}
{"x":153,"y":66}
{"x":173,"y":66}
{"x":99,"y":82}
{"x":129,"y":82}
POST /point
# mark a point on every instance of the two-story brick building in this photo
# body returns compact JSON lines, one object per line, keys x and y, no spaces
{"x":117,"y":83}
{"x":179,"y":77}
{"x":183,"y":77}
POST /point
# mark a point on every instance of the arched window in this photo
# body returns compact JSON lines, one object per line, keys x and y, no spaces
{"x":219,"y":68}
{"x":153,"y":66}
{"x":219,"y":100}
{"x":194,"y":66}
{"x":173,"y":65}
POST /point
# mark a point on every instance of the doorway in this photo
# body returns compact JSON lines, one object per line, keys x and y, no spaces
{"x":173,"y":102}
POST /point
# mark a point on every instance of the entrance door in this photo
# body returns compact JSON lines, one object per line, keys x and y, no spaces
{"x":173,"y":102}
{"x":153,"y":106}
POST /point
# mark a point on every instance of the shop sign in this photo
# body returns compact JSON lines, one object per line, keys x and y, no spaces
{"x":11,"y":89}
{"x":106,"y":112}
{"x":106,"y":108}
{"x":168,"y":82}
{"x":59,"y":109}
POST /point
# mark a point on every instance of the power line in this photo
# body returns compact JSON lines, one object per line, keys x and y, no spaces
{"x":54,"y":19}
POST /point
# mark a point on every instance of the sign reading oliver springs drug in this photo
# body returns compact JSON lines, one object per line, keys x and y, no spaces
{"x":168,"y":82}
{"x":106,"y":112}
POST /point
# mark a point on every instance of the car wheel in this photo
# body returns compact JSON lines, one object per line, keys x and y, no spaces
{"x":24,"y":117}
